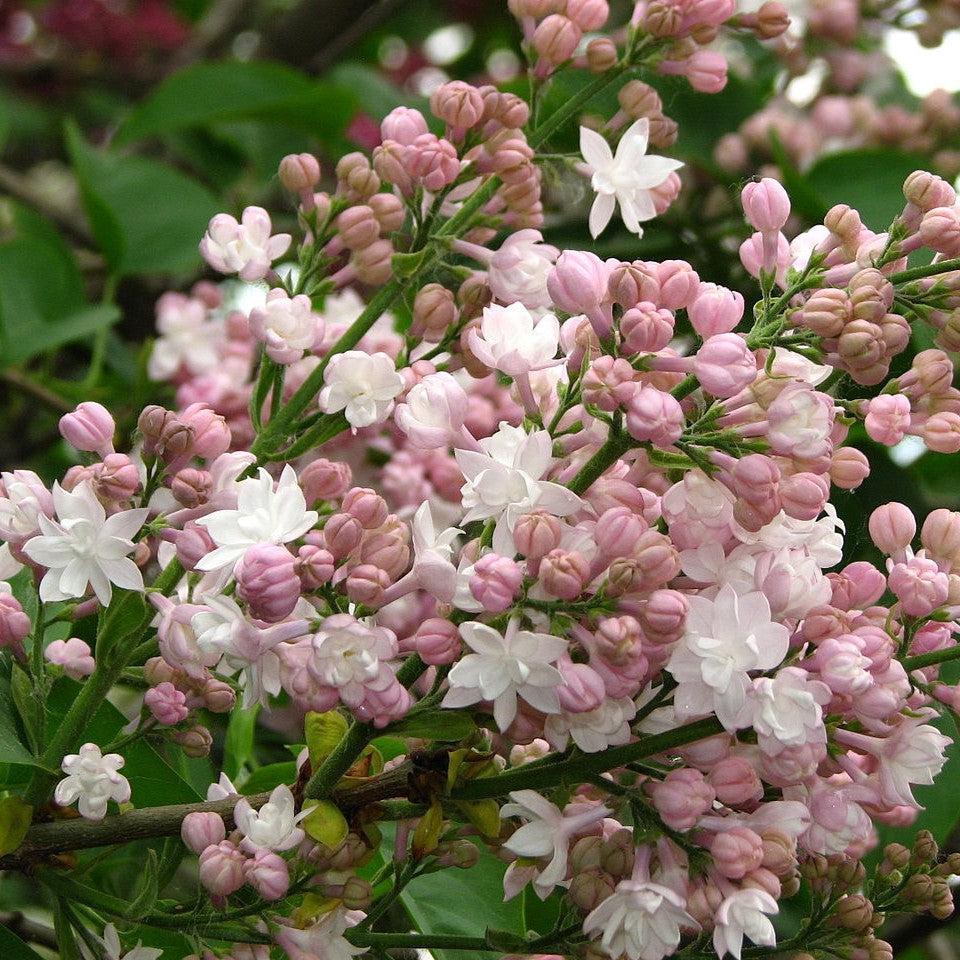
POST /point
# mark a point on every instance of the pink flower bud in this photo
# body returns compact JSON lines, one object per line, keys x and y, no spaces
{"x":434,"y":312}
{"x":90,"y":428}
{"x":556,"y":39}
{"x":857,"y":586}
{"x":314,"y":566}
{"x":679,"y":284}
{"x":849,"y":467}
{"x":737,"y":852}
{"x":888,"y":418}
{"x":196,"y":742}
{"x":432,"y":161}
{"x":357,"y":227}
{"x":646,"y":328}
{"x":193,"y":543}
{"x":617,"y":532}
{"x":167,"y":704}
{"x":609,"y":383}
{"x":211,"y":435}
{"x":735,"y":781}
{"x":536,"y":534}
{"x":14,"y":625}
{"x":299,"y":172}
{"x":366,"y":584}
{"x":725,"y":365}
{"x":459,"y":105}
{"x":221,"y":868}
{"x":656,"y":416}
{"x":892,"y":527}
{"x":367,"y":506}
{"x":324,"y":480}
{"x":588,"y":14}
{"x":437,"y":641}
{"x":218,"y":697}
{"x":940,"y":231}
{"x":803,"y":495}
{"x":663,"y":616}
{"x":73,"y":655}
{"x":940,"y":536}
{"x":201,"y":830}
{"x":918,"y":584}
{"x":715,"y":310}
{"x":705,"y":70}
{"x":682,"y":797}
{"x":582,"y":688}
{"x":564,"y":574}
{"x":267,"y":581}
{"x":941,"y":432}
{"x":341,"y":534}
{"x":765,"y":205}
{"x":578,"y":281}
{"x":191,"y":487}
{"x":403,"y":125}
{"x":495,"y":582}
{"x":634,"y":284}
{"x":268,"y":874}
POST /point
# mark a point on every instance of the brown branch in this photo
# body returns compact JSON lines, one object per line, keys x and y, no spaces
{"x":29,"y":930}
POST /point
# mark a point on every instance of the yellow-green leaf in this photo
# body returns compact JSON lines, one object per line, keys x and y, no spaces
{"x":324,"y":731}
{"x":15,"y":817}
{"x":325,"y":823}
{"x":427,"y":835}
{"x":484,"y":815}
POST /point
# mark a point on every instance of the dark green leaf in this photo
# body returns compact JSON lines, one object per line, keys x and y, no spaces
{"x":13,"y":948}
{"x":209,"y":93}
{"x":147,"y":218}
{"x":445,"y":725}
{"x":239,"y":746}
{"x":146,"y":896}
{"x":375,"y":93}
{"x":118,"y":621}
{"x":30,"y":708}
{"x":266,"y":778}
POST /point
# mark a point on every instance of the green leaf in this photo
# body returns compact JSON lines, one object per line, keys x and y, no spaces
{"x":325,"y":823}
{"x":146,"y":895}
{"x":463,"y":902}
{"x":21,"y":586}
{"x":238,"y":749}
{"x":377,"y":95}
{"x":147,"y":218}
{"x":12,"y":749}
{"x":270,"y":776}
{"x":869,"y":179}
{"x":445,"y":725}
{"x":13,"y":948}
{"x":118,"y":621}
{"x":205,"y":94}
{"x":323,"y":731}
{"x":29,"y":707}
{"x":15,"y":817}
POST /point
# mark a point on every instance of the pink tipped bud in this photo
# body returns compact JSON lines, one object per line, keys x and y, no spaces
{"x":201,"y":830}
{"x":765,"y":205}
{"x":940,"y":536}
{"x":196,"y":742}
{"x":324,"y":480}
{"x":221,"y":868}
{"x":618,"y":531}
{"x":536,"y":534}
{"x":403,"y":125}
{"x":564,"y":574}
{"x":656,"y":416}
{"x":679,"y":284}
{"x":609,"y":383}
{"x":735,"y":781}
{"x":299,"y":172}
{"x":633,"y":284}
{"x":716,"y":310}
{"x":646,"y":328}
{"x":341,"y":534}
{"x":663,"y":616}
{"x":167,"y":704}
{"x":218,"y":697}
{"x":191,"y":487}
{"x":73,"y":655}
{"x":267,"y":581}
{"x":434,"y":312}
{"x":602,"y":54}
{"x":682,"y":797}
{"x":919,"y":585}
{"x":556,"y":39}
{"x":588,"y":14}
{"x":582,"y":688}
{"x":892,"y":527}
{"x":849,"y":467}
{"x":941,"y":432}
{"x":459,"y":105}
{"x":725,"y":365}
{"x":940,"y":231}
{"x":314,"y":566}
{"x":804,"y":495}
{"x":432,"y":161}
{"x":705,"y":70}
{"x":358,"y":227}
{"x":437,"y":641}
{"x":367,"y":506}
{"x":888,"y":418}
{"x":578,"y":281}
{"x":210,"y":433}
{"x":857,"y":586}
{"x":90,"y":428}
{"x":366,"y":584}
{"x":495,"y":582}
{"x":737,"y":852}
{"x":193,"y":543}
{"x":268,"y":874}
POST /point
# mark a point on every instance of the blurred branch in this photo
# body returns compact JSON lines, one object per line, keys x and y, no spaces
{"x":316,"y":33}
{"x":29,"y":930}
{"x":27,"y":385}
{"x":221,"y":21}
{"x":20,"y":188}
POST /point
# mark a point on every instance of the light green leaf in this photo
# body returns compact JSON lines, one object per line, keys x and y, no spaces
{"x":147,"y":218}
{"x":12,"y":749}
{"x":210,"y":93}
{"x":445,"y":725}
{"x":239,"y":744}
{"x":270,"y":776}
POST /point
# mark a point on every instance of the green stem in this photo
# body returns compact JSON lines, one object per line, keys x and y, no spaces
{"x":439,"y":941}
{"x":99,"y":352}
{"x":931,"y":658}
{"x":69,"y":733}
{"x":580,"y":768}
{"x":930,"y":270}
{"x":616,"y":445}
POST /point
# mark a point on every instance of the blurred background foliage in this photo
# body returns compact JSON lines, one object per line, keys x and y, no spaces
{"x":126,"y":124}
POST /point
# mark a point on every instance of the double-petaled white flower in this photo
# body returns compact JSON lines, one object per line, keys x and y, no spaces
{"x":113,"y":949}
{"x":504,"y":667}
{"x":625,"y":177}
{"x":744,"y":914}
{"x":509,"y":339}
{"x":92,"y":780}
{"x":362,"y":385}
{"x":274,"y":825}
{"x":725,"y":639}
{"x":247,"y":247}
{"x":84,"y":548}
{"x":265,"y":514}
{"x":788,"y":710}
{"x":504,"y":482}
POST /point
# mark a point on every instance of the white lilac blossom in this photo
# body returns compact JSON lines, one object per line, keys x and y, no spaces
{"x":505,"y":481}
{"x":518,"y":271}
{"x":323,"y":940}
{"x":265,"y":513}
{"x":503,"y":667}
{"x":547,"y":832}
{"x":84,"y":549}
{"x":788,"y":709}
{"x":509,"y":339}
{"x":362,"y":385}
{"x":92,"y":780}
{"x":725,"y":639}
{"x":247,"y":247}
{"x":188,"y":339}
{"x":113,"y":949}
{"x":640,"y":920}
{"x":625,"y":177}
{"x":274,"y":825}
{"x":744,"y":914}
{"x":592,"y":730}
{"x":432,"y":564}
{"x":24,"y":498}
